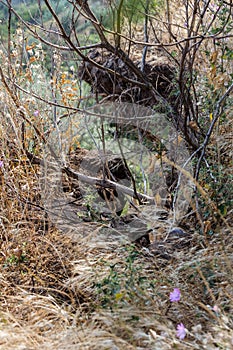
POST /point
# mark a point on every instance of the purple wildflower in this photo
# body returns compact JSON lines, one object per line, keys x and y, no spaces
{"x":181,"y":331}
{"x":175,"y":295}
{"x":36,"y":113}
{"x":1,"y":163}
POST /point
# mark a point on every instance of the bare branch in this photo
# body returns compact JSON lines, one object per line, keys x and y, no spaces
{"x":94,"y":181}
{"x":216,"y":116}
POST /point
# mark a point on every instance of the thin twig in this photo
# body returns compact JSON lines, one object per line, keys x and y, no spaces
{"x":146,"y":37}
{"x":216,"y":115}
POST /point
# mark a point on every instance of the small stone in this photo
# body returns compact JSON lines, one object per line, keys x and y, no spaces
{"x":177,"y":231}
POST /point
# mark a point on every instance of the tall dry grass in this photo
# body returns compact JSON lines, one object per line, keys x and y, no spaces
{"x":59,"y":291}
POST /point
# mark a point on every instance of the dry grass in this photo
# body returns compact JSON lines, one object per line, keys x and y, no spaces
{"x":62,"y":291}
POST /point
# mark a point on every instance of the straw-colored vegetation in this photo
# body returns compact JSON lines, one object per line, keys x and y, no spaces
{"x":74,"y":290}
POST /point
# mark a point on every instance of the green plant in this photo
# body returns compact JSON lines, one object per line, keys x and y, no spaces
{"x":14,"y":260}
{"x":124,"y":286}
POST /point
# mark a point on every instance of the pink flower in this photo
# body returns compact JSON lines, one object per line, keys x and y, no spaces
{"x":175,"y":295}
{"x":216,"y":309}
{"x":181,"y":331}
